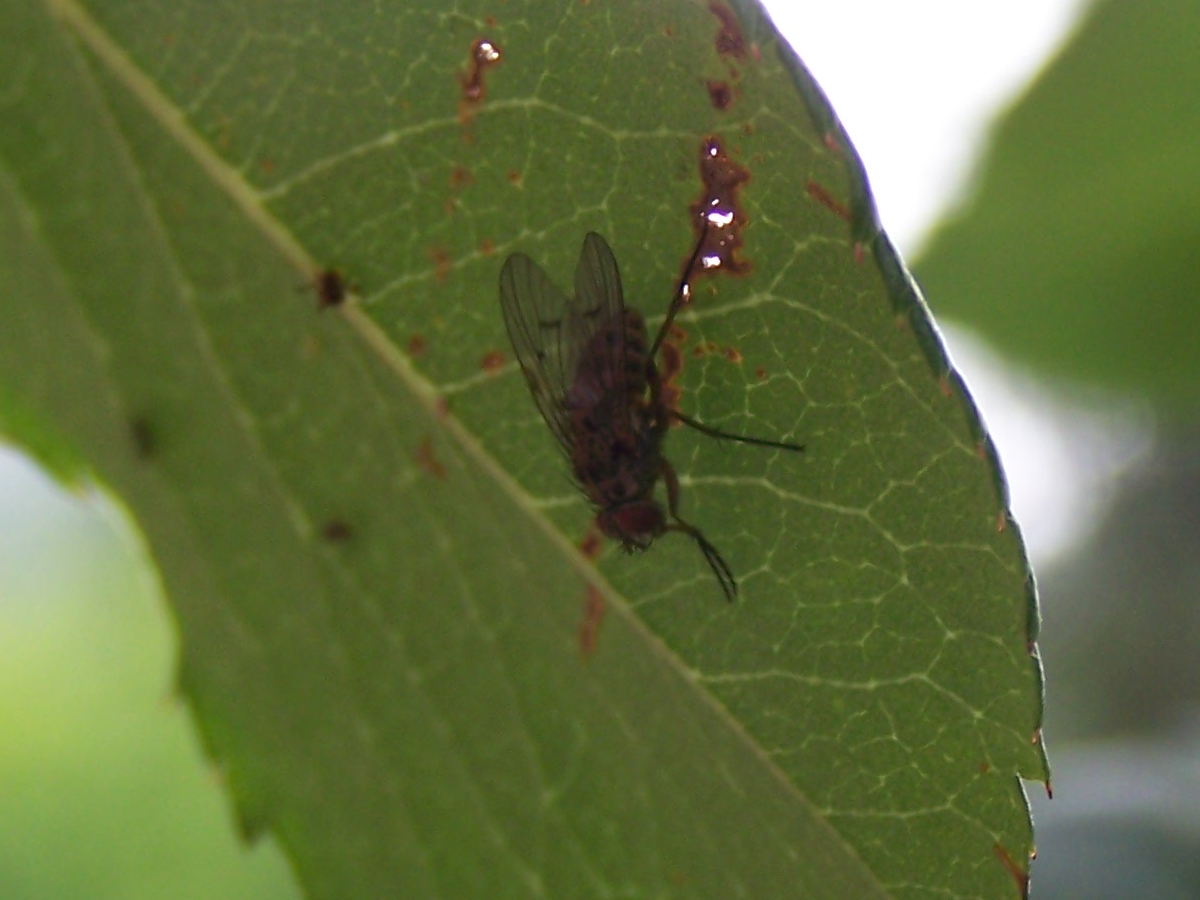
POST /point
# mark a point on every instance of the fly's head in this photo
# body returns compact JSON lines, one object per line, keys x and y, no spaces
{"x":635,"y":524}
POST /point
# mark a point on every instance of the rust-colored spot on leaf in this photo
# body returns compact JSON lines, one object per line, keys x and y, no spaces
{"x":492,"y":362}
{"x":734,"y":355}
{"x":822,"y":196}
{"x":717,"y":216}
{"x":460,"y":177}
{"x":591,"y":543}
{"x":484,"y":54}
{"x":594,"y":608}
{"x":720,"y":94}
{"x":515,"y":178}
{"x":441,"y":263}
{"x":760,"y":373}
{"x":487,"y":247}
{"x":428,"y":461}
{"x":729,"y":40}
{"x":945,"y":387}
{"x":1020,"y":876}
{"x":442,"y":407}
{"x":985,"y":767}
{"x":267,"y":165}
{"x":672,"y":365}
{"x":337,"y":531}
{"x":416,"y":345}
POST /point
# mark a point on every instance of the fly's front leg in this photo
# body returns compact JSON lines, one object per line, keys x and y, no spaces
{"x":711,"y":555}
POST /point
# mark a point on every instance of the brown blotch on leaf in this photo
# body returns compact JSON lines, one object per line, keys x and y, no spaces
{"x":487,"y":247}
{"x":717,"y":216}
{"x":515,"y":178}
{"x":428,"y":461}
{"x":594,"y":609}
{"x":143,"y":437}
{"x":416,"y":345}
{"x":331,"y":288}
{"x":336,"y":531}
{"x":460,"y":177}
{"x":822,"y":196}
{"x":492,"y":362}
{"x":484,"y":54}
{"x":760,"y":373}
{"x":729,"y":40}
{"x":720,"y":94}
{"x":733,"y":355}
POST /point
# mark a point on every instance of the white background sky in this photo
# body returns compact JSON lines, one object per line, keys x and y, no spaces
{"x":917,"y":83}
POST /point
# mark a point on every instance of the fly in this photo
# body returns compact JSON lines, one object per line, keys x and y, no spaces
{"x":594,"y":379}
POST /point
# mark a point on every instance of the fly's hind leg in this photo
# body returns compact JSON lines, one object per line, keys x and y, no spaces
{"x":711,"y":555}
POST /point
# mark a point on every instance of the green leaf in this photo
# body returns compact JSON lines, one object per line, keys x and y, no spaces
{"x":1076,"y":252}
{"x":366,"y":531}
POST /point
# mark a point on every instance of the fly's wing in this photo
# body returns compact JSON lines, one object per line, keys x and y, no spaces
{"x":599,"y":306}
{"x":536,"y":314}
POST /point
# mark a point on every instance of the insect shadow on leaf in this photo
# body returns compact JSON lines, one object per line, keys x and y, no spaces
{"x":594,"y":379}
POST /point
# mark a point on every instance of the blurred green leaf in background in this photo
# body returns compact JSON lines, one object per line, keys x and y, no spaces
{"x":1075,"y":255}
{"x":106,"y":793}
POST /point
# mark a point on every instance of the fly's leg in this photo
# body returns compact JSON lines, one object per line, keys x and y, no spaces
{"x":711,"y":555}
{"x":681,"y":293}
{"x":727,"y":436}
